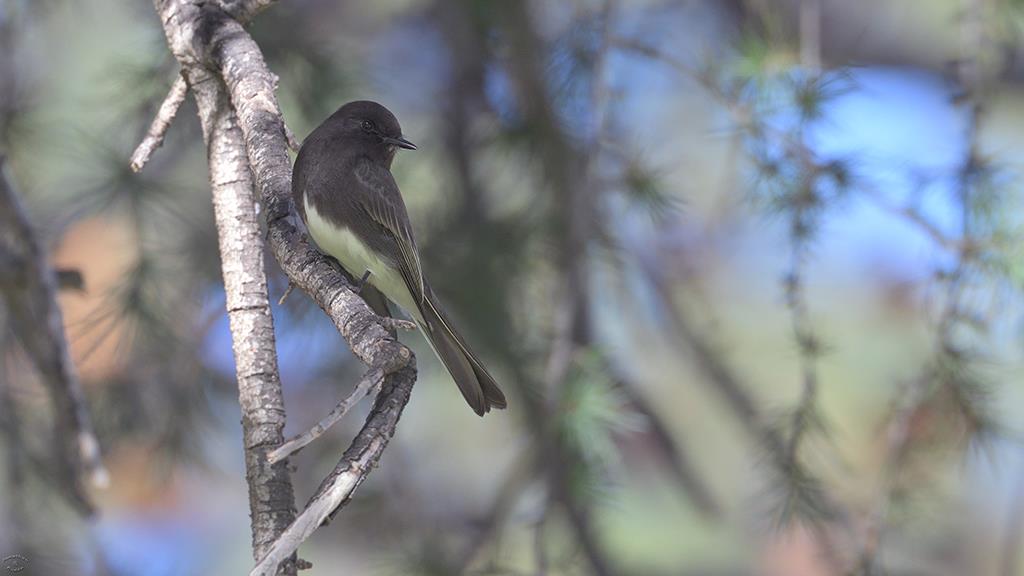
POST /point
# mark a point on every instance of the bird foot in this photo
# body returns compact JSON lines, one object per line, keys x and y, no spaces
{"x":362,"y":282}
{"x":396,"y":324}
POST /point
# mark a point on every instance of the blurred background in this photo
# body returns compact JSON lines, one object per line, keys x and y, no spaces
{"x":749,"y":271}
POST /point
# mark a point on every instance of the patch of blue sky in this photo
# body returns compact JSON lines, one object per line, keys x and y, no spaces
{"x":905,"y":140}
{"x":153,"y":546}
{"x":305,"y":345}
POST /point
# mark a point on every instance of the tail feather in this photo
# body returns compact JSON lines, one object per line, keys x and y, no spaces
{"x":476,"y":384}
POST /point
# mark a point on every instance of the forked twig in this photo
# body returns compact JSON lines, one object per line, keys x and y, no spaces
{"x":371,"y":381}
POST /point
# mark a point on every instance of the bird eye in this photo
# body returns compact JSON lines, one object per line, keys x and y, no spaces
{"x":367,"y":126}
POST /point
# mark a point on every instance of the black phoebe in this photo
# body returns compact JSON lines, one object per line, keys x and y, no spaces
{"x":343,"y":188}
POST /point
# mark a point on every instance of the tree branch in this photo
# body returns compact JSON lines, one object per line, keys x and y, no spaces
{"x":355,"y":465}
{"x":370,"y":381}
{"x":36,"y":321}
{"x":271,"y":497}
{"x":203,"y":37}
{"x":568,"y":173}
{"x":158,"y":129}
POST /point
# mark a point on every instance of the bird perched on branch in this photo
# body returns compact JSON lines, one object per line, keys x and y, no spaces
{"x":342,"y":186}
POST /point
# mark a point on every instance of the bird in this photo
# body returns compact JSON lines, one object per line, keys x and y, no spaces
{"x":345,"y":193}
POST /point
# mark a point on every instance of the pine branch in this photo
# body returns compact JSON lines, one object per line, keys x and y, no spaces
{"x":36,"y":320}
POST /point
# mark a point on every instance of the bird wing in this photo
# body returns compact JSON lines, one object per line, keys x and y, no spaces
{"x":384,"y":205}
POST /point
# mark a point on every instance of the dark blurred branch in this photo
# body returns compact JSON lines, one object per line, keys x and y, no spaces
{"x":678,"y":459}
{"x":203,"y":38}
{"x":949,"y":356}
{"x":515,"y":483}
{"x":897,"y":446}
{"x":35,"y":319}
{"x":565,"y":169}
{"x":158,"y":129}
{"x":709,"y":360}
{"x":10,"y":425}
{"x":70,"y":279}
{"x":469,"y":55}
{"x":600,"y":96}
{"x":810,"y":34}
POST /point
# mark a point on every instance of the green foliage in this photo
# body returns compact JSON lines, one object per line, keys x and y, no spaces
{"x":592,"y":413}
{"x":645,"y":189}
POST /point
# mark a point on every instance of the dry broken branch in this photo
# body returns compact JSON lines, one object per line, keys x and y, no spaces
{"x":370,"y":381}
{"x":158,"y":129}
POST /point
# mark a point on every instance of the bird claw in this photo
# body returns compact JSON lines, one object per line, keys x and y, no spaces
{"x":397,"y":324}
{"x":362,"y":282}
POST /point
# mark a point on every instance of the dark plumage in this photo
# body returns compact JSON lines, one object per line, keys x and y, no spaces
{"x":343,"y":188}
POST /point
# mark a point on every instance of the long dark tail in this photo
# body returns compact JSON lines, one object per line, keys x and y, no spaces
{"x":475,"y":383}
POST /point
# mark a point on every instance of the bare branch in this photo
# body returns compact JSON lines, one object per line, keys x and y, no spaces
{"x":203,"y":37}
{"x":158,"y":129}
{"x":678,"y":459}
{"x":350,"y":472}
{"x":287,"y":292}
{"x":271,"y":497}
{"x":36,"y":320}
{"x":370,"y":381}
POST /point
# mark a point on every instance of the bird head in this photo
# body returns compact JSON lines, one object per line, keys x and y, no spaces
{"x":371,"y":125}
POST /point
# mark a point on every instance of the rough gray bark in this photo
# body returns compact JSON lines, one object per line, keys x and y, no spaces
{"x":271,"y":497}
{"x":29,"y":287}
{"x":221,"y":63}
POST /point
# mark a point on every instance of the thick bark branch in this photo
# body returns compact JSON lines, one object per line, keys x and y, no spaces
{"x":271,"y":497}
{"x":35,"y":319}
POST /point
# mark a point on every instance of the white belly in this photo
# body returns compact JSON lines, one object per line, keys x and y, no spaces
{"x":354,"y":255}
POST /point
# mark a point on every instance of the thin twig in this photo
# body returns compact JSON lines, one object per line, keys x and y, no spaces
{"x":918,"y":390}
{"x":293,"y":142}
{"x":354,"y":466}
{"x":370,"y":382}
{"x":678,"y":460}
{"x":897,"y":445}
{"x":158,"y":129}
{"x":287,"y":291}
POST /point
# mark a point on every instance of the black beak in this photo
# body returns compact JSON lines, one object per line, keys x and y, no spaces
{"x":400,"y":142}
